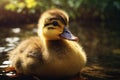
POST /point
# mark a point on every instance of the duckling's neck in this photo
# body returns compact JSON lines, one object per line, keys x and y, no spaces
{"x":57,"y":47}
{"x":55,"y":43}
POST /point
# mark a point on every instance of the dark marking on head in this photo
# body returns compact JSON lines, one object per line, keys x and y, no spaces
{"x":54,"y":23}
{"x":60,"y":17}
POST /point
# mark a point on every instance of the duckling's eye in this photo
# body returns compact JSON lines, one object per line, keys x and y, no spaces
{"x":55,"y":23}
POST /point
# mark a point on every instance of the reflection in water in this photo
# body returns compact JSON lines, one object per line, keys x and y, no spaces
{"x":10,"y":36}
{"x":16,"y":30}
{"x":12,"y":39}
{"x":8,"y":49}
{"x":2,"y":49}
{"x":10,"y":44}
{"x":5,"y":64}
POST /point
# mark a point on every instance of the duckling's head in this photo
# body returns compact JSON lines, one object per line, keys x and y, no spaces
{"x":53,"y":25}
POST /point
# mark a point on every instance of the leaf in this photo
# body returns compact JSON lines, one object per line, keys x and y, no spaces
{"x":31,"y":3}
{"x":11,"y":7}
{"x":21,"y":5}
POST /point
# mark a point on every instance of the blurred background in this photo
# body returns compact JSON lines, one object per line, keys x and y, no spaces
{"x":95,"y":22}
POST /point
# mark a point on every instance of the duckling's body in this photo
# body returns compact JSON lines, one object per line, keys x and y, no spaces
{"x":67,"y":59}
{"x":49,"y":56}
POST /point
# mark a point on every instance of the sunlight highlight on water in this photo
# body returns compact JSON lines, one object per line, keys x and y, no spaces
{"x":16,"y":30}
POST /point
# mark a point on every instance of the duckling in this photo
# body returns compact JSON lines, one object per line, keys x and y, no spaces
{"x":55,"y":52}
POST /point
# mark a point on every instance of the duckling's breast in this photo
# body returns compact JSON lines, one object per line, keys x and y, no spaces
{"x":63,"y":60}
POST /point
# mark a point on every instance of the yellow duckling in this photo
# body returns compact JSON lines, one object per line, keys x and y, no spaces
{"x":55,"y":53}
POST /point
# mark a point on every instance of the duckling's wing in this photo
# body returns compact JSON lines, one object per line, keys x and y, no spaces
{"x":26,"y":46}
{"x":30,"y":48}
{"x":33,"y":48}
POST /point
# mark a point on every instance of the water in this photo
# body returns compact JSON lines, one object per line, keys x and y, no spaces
{"x":10,"y":36}
{"x":100,"y":41}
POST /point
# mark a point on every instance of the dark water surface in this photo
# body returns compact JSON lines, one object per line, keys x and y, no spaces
{"x":100,"y":40}
{"x":10,"y":37}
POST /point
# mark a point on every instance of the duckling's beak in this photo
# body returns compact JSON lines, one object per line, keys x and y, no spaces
{"x":66,"y":34}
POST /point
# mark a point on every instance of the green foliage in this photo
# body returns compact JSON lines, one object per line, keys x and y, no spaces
{"x":73,"y":7}
{"x":21,"y":5}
